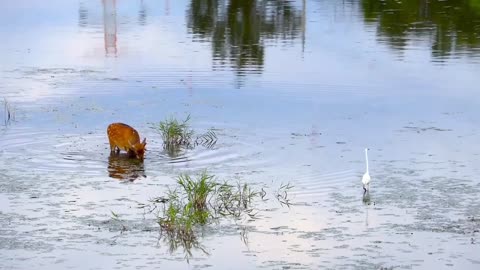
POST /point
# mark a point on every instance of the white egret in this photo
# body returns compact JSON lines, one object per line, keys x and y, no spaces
{"x":366,"y":177}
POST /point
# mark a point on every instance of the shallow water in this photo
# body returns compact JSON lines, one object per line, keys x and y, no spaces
{"x":295,"y":90}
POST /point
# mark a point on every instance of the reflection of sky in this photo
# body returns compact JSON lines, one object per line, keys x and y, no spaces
{"x":344,"y":85}
{"x":339,"y":54}
{"x":342,"y":65}
{"x":342,"y":71}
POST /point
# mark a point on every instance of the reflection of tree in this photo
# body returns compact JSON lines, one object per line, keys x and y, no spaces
{"x":142,"y":14}
{"x":453,"y":26}
{"x":238,"y":29}
{"x":82,"y":15}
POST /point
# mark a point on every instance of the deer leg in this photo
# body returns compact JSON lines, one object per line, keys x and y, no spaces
{"x":112,"y":146}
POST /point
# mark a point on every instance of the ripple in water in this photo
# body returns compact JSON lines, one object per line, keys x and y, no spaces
{"x":89,"y":155}
{"x":313,"y":184}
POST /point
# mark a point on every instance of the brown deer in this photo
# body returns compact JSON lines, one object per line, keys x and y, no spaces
{"x":124,"y":137}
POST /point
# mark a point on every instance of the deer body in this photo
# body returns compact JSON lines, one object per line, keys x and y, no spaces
{"x":124,"y":137}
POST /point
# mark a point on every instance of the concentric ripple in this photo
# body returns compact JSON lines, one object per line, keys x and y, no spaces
{"x":88,"y":154}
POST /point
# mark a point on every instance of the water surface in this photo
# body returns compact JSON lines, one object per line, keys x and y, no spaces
{"x":295,"y":90}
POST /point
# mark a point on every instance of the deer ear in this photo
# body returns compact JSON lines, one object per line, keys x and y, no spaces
{"x":144,"y":142}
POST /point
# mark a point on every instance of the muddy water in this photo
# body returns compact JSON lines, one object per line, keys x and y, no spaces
{"x":294,"y":90}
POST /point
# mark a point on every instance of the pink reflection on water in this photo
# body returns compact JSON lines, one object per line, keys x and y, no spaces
{"x":110,"y":27}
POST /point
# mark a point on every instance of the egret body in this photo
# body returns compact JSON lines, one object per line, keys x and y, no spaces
{"x":366,"y":177}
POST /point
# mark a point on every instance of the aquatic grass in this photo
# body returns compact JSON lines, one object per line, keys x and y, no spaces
{"x":282,"y":194}
{"x":235,"y":200}
{"x":178,"y":133}
{"x":176,"y":223}
{"x":115,"y":217}
{"x":197,"y":191}
{"x":244,"y":235}
{"x":187,"y":205}
{"x":173,"y":151}
{"x":202,"y":200}
{"x":175,"y":132}
{"x":181,"y":238}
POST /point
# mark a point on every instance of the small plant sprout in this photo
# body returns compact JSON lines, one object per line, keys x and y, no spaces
{"x":235,"y":201}
{"x":116,"y":218}
{"x":282,"y":194}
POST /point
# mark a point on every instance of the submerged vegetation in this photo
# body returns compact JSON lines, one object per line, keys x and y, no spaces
{"x":116,"y":218}
{"x":187,"y":206}
{"x":282,"y":194}
{"x":178,"y":133}
{"x":203,"y":200}
{"x":9,"y":112}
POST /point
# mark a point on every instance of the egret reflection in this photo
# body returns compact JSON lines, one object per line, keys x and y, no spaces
{"x":366,"y":198}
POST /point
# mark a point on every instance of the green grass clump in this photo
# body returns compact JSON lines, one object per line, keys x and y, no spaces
{"x":201,"y":200}
{"x":187,"y":205}
{"x":175,"y":133}
{"x":197,"y":190}
{"x":177,"y":225}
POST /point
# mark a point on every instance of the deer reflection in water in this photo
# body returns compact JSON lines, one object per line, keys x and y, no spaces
{"x":122,"y":167}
